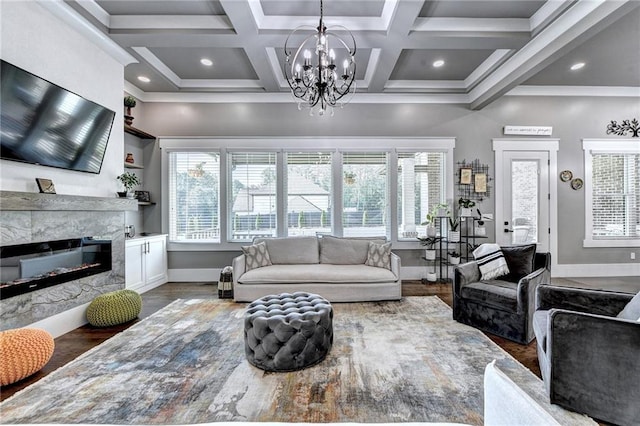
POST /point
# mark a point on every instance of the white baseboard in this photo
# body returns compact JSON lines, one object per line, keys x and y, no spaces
{"x":194,"y":275}
{"x":596,"y":270}
{"x":63,"y":322}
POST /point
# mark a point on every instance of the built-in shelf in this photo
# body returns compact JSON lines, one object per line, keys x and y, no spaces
{"x":132,"y":166}
{"x":146,"y":203}
{"x":137,"y":132}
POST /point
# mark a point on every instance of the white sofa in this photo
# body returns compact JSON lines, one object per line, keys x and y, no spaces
{"x":329,"y":266}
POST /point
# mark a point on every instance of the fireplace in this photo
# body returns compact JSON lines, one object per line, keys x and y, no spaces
{"x":29,"y":267}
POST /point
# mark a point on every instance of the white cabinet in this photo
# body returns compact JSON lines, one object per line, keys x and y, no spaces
{"x":146,"y":262}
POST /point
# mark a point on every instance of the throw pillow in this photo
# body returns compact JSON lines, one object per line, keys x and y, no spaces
{"x":490,"y":261}
{"x":520,"y":260}
{"x":256,"y":256}
{"x":632,"y":310}
{"x":379,"y":255}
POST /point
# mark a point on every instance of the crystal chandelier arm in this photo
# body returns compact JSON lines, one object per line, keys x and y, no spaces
{"x":336,"y":36}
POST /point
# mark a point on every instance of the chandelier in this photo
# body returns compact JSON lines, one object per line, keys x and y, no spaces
{"x":317,"y":80}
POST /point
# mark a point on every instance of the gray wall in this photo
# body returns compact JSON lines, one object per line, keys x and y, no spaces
{"x":572,"y":118}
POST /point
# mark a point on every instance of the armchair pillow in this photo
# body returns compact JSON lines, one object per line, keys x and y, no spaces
{"x":632,"y":310}
{"x":520,"y":260}
{"x":379,"y":255}
{"x":490,"y":261}
{"x":256,"y":256}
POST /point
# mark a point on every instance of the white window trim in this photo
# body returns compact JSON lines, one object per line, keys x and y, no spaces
{"x":286,"y":144}
{"x":590,"y":146}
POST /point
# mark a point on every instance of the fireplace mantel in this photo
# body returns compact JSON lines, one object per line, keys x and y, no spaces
{"x":33,"y":201}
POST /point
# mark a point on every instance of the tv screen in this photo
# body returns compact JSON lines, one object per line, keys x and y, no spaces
{"x":42,"y":123}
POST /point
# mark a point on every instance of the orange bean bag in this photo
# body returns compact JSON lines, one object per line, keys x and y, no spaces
{"x":23,"y":351}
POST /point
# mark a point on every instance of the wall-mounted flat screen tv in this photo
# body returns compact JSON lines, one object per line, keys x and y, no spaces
{"x":42,"y":123}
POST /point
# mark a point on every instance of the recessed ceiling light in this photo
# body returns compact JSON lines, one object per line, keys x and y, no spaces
{"x":438,"y":63}
{"x":144,"y":79}
{"x":577,"y":66}
{"x":207,"y":62}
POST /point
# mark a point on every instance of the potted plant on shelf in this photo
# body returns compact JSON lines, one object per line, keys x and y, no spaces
{"x":430,"y":244}
{"x":480,"y":230}
{"x":465,"y":205}
{"x":432,"y":276}
{"x":454,"y":234}
{"x":129,"y":180}
{"x":454,"y":258}
{"x":129,"y":102}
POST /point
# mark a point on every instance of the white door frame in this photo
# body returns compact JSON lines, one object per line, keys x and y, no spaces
{"x":550,"y":146}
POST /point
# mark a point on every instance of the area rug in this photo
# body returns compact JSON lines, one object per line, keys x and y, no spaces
{"x":404,"y":361}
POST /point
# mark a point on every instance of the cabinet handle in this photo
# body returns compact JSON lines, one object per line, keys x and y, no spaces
{"x":148,"y":247}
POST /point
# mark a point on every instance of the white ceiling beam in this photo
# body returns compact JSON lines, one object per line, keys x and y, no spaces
{"x":240,"y":14}
{"x":586,"y":17}
{"x":96,"y":11}
{"x":423,"y":85}
{"x":471,"y":25}
{"x":170,"y":22}
{"x":488,"y":65}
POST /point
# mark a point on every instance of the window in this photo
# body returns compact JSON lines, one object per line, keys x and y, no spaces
{"x":308,"y":193}
{"x":364,"y":194}
{"x":421,"y":186}
{"x":252,"y":195}
{"x":612,"y":185}
{"x":193,"y":196}
{"x":224,"y":192}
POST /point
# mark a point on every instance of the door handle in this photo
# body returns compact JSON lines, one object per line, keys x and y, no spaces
{"x":508,"y":230}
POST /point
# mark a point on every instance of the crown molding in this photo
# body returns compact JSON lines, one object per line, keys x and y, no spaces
{"x":72,"y":18}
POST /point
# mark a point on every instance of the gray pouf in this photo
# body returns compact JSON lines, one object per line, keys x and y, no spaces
{"x":288,"y":332}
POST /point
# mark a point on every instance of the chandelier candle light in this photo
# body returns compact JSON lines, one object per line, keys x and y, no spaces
{"x":315,"y":80}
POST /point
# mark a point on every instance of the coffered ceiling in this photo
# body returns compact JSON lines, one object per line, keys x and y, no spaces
{"x":488,"y":47}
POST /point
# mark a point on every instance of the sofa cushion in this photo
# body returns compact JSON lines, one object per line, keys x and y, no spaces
{"x":379,"y":255}
{"x":292,"y":250}
{"x":490,"y":261}
{"x":256,"y":256}
{"x":496,"y":293}
{"x":632,"y":310}
{"x":345,"y":251}
{"x":520,"y":261}
{"x":540,"y":324}
{"x":318,"y":273}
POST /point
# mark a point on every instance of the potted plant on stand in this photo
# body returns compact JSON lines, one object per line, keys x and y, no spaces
{"x":439,"y":210}
{"x":465,"y":206}
{"x":129,"y":180}
{"x":430,"y":244}
{"x":454,"y":258}
{"x":454,"y":234}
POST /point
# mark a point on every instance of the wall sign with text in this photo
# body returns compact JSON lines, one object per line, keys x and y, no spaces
{"x":528,"y":130}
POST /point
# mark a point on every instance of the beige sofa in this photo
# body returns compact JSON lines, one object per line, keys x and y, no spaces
{"x":329,"y":266}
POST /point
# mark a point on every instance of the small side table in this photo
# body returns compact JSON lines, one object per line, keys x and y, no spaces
{"x":225,"y":284}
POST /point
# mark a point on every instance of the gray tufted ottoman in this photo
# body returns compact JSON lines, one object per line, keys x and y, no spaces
{"x":288,"y":332}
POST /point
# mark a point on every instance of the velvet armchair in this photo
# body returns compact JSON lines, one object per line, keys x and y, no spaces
{"x":589,"y":351}
{"x":503,"y":306}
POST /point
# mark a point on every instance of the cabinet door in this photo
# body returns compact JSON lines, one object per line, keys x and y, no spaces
{"x":156,"y":261}
{"x":134,"y":265}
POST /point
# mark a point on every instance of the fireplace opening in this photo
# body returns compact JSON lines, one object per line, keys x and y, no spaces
{"x":34,"y":266}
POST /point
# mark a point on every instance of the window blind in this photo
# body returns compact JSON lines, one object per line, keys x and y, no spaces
{"x":252,"y":193}
{"x":365,"y":194}
{"x":616,"y":195}
{"x":193,"y":196}
{"x":421,"y":186}
{"x":308,"y":193}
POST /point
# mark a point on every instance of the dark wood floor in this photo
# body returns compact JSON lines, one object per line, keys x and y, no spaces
{"x":71,"y":345}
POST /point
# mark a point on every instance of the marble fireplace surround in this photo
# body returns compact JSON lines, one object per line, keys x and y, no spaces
{"x":27,"y":217}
